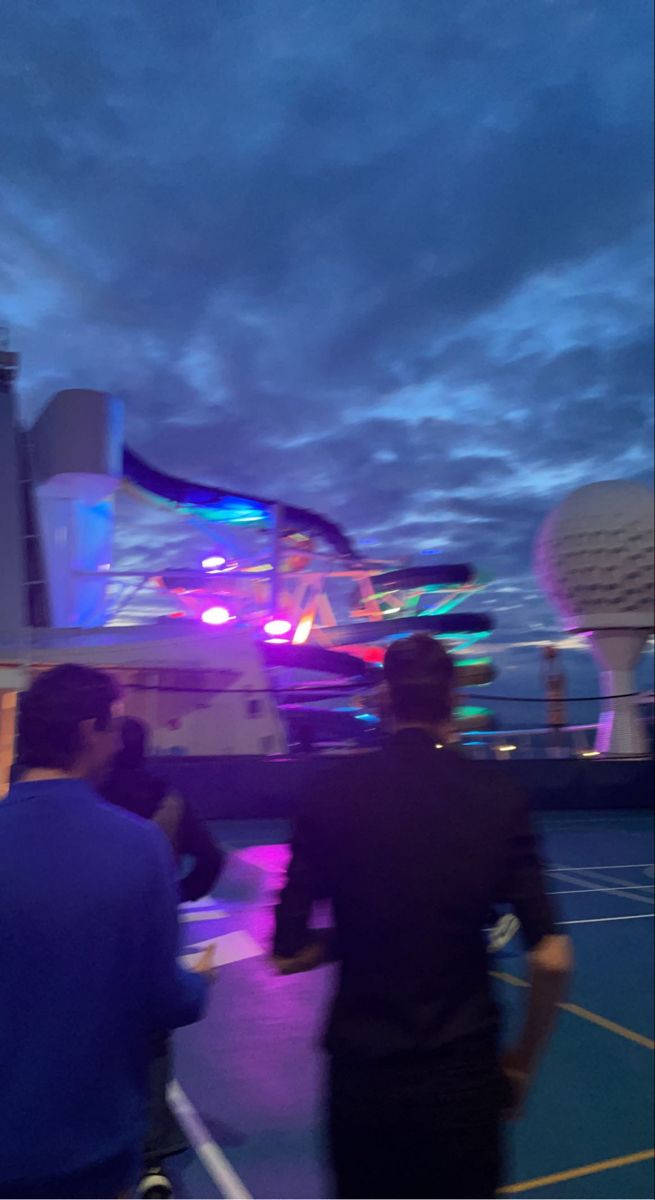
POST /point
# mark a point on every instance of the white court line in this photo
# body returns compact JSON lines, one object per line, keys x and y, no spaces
{"x":205,"y":914}
{"x":610,"y":867}
{"x":585,"y":885}
{"x":220,"y":1171}
{"x":578,"y":891}
{"x":602,"y":920}
{"x":229,"y":948}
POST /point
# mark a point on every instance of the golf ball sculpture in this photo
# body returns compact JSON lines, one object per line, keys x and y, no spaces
{"x":594,"y":561}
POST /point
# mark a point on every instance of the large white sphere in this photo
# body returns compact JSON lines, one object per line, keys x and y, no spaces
{"x":594,"y":557}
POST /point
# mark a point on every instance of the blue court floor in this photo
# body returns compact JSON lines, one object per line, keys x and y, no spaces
{"x":249,"y":1078}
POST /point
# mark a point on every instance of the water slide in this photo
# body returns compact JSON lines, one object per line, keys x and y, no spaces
{"x":221,"y":505}
{"x":80,"y":459}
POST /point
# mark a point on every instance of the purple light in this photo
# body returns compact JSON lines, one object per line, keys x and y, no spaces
{"x":277,"y":627}
{"x":216,"y":616}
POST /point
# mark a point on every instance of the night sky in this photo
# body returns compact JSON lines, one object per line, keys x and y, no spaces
{"x":388,"y":259}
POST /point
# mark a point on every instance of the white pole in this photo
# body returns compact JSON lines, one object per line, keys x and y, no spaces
{"x":621,"y":732}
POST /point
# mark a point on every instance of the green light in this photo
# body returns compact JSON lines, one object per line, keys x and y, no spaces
{"x":469,"y":638}
{"x":447,"y":606}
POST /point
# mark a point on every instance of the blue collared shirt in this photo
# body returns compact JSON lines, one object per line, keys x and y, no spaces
{"x":88,"y":976}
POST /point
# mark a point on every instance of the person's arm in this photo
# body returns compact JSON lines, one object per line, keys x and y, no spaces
{"x":550,"y":954}
{"x":549,"y":967}
{"x":195,"y":841}
{"x":176,"y":996}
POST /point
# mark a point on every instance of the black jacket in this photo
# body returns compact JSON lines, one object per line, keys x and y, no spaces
{"x":141,"y":791}
{"x":414,"y":847}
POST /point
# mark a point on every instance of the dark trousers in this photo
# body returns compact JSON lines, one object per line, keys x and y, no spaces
{"x":164,"y":1136}
{"x":395,"y":1132}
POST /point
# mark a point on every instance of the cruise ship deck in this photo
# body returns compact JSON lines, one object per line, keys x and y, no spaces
{"x":248,"y":1078}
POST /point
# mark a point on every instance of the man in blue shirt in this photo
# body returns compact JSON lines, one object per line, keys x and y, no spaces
{"x":88,"y":945}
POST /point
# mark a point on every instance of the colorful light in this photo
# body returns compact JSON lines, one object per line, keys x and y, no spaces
{"x":277,"y":627}
{"x":303,"y":629}
{"x":231,"y":510}
{"x":216,"y":616}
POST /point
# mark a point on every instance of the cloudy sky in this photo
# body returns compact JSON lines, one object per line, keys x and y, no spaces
{"x":388,"y":259}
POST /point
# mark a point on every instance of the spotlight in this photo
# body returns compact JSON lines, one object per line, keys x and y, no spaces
{"x":216,"y":616}
{"x":215,"y":560}
{"x":277,"y":627}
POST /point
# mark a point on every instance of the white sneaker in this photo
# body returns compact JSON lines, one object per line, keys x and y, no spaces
{"x":503,"y":932}
{"x":154,"y":1185}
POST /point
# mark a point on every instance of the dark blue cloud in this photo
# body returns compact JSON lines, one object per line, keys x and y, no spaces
{"x":390,"y":261}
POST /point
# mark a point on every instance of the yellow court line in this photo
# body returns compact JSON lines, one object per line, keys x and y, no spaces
{"x":585,"y":1013}
{"x":513,"y":979}
{"x":609,"y":1164}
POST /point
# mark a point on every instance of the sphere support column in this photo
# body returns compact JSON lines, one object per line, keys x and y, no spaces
{"x":621,"y":732}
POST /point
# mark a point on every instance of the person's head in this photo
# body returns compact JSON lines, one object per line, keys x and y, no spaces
{"x":133,"y":743}
{"x":419,"y":675}
{"x":68,"y":722}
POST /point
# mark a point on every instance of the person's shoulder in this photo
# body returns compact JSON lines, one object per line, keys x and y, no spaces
{"x":348,"y":770}
{"x":136,"y":789}
{"x":127,"y":827}
{"x":488,"y":783}
{"x":339,"y":782}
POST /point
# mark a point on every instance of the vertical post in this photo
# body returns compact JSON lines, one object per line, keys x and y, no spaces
{"x":278,"y":518}
{"x":8,"y":699}
{"x":13,"y":616}
{"x":621,"y":732}
{"x":13,"y":680}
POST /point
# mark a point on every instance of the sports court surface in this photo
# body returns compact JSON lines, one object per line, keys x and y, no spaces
{"x":249,"y":1077}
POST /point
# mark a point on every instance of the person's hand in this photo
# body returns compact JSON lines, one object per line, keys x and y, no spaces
{"x":517,"y":1078}
{"x":205,"y":965}
{"x":311,"y":956}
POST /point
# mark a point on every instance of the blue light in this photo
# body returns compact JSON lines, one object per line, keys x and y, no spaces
{"x":230,"y":511}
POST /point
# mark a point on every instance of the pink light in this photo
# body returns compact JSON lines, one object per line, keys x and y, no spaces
{"x":215,"y":560}
{"x":215,"y":616}
{"x":277,"y":627}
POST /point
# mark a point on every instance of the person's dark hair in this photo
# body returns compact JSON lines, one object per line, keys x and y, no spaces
{"x":134,"y":740}
{"x":419,"y":675}
{"x":51,"y":711}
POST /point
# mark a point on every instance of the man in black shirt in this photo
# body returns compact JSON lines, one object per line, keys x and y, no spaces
{"x":414,"y":845}
{"x":132,"y":785}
